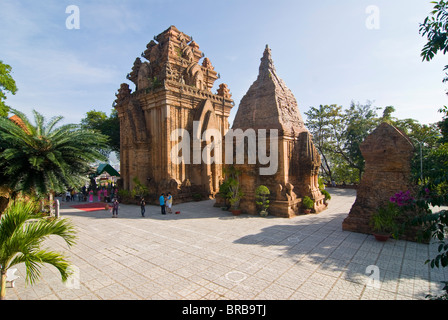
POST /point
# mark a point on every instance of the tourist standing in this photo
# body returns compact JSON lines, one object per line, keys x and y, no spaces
{"x":169,"y":202}
{"x":105,"y":195}
{"x":142,"y":206}
{"x":162,"y":203}
{"x":115,"y":206}
{"x":91,"y":196}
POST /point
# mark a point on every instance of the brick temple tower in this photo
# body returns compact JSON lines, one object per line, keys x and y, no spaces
{"x":269,"y":104}
{"x":173,"y":87}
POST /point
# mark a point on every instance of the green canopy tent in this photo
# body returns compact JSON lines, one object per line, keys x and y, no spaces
{"x":105,"y":167}
{"x":102,"y":168}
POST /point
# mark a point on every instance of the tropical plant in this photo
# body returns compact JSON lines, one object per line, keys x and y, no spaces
{"x":232,"y":184}
{"x":42,"y":159}
{"x":139,"y":189}
{"x":307,"y":203}
{"x":235,"y":194}
{"x":326,"y":194}
{"x":435,"y":28}
{"x":106,"y":125}
{"x":124,"y":194}
{"x":8,"y":84}
{"x":223,"y":191}
{"x":338,"y":133}
{"x":384,"y":220}
{"x":262,"y":198}
{"x":22,"y":233}
{"x":435,"y":224}
{"x":435,"y":192}
{"x":224,"y":188}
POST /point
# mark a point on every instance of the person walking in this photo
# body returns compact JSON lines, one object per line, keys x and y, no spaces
{"x":169,"y":202}
{"x":115,"y":206}
{"x":142,"y":206}
{"x":90,"y":196}
{"x":162,"y":203}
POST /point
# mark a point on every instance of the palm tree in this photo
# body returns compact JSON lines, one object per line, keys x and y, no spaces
{"x":41,"y":159}
{"x":21,"y":235}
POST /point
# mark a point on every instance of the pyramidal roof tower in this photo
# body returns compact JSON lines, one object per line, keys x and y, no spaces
{"x":268,"y":103}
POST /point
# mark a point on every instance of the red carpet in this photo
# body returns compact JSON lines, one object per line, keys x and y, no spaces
{"x":92,"y":206}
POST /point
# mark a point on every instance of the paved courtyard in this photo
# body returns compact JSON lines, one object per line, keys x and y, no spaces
{"x":206,"y":253}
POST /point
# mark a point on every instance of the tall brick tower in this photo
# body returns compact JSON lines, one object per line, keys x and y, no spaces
{"x":269,"y":104}
{"x":172,"y":90}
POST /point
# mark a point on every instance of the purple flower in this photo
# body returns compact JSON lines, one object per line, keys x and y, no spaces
{"x":402,"y":198}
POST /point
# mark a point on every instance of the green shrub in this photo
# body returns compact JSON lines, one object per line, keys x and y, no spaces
{"x":385,"y":220}
{"x":261,"y":194}
{"x":307,"y":202}
{"x":139,"y":188}
{"x":197,"y":196}
{"x":122,"y":193}
{"x":326,"y":194}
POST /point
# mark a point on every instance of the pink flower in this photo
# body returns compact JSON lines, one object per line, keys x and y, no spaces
{"x":402,"y":198}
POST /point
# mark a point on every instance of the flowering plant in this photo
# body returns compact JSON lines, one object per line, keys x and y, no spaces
{"x":384,"y":220}
{"x":402,"y":199}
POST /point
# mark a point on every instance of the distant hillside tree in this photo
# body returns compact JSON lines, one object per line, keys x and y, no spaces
{"x":7,"y":84}
{"x":106,"y":125}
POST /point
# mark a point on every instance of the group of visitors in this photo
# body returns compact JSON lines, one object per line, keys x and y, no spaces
{"x":70,"y":195}
{"x":106,"y":194}
{"x":165,"y":201}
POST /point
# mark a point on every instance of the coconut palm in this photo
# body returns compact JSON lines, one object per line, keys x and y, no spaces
{"x":22,"y":233}
{"x":44,"y":158}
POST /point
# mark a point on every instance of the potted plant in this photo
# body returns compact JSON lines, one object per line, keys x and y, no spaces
{"x":232,"y":188}
{"x":222,"y":194}
{"x":308,"y":204}
{"x":234,"y":195}
{"x":261,"y":196}
{"x":384,"y":222}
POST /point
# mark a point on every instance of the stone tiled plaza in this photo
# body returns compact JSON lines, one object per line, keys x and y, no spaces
{"x":206,"y":253}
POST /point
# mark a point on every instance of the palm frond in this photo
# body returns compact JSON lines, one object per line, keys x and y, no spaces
{"x":35,"y":260}
{"x":22,"y":234}
{"x":39,"y":119}
{"x":13,"y":218}
{"x":44,"y":157}
{"x":51,"y":124}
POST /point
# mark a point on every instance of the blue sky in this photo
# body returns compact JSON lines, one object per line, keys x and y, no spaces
{"x":323,"y":50}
